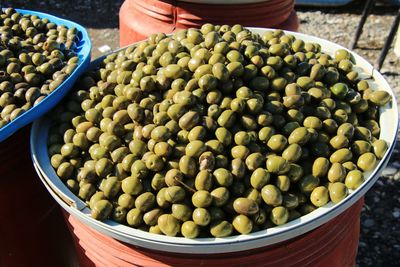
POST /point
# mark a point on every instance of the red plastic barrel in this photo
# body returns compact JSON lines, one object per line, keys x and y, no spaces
{"x":32,"y":229}
{"x":333,"y":244}
{"x":140,"y":18}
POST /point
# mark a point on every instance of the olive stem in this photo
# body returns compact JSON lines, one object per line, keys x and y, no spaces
{"x":185,"y":185}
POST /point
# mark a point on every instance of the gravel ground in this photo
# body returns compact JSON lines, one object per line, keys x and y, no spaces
{"x":380,"y":228}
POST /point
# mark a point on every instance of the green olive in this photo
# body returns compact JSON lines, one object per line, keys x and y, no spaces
{"x":379,"y":148}
{"x":319,"y":196}
{"x":240,"y":152}
{"x":221,"y":229}
{"x":299,"y":136}
{"x":145,"y":201}
{"x":342,"y":54}
{"x":366,"y":161}
{"x":362,"y":133}
{"x":380,"y":98}
{"x":86,"y":191}
{"x":346,"y":129}
{"x":254,"y":160}
{"x":173,"y":177}
{"x":238,"y":168}
{"x":181,"y":212}
{"x":264,"y":134}
{"x":154,"y":163}
{"x":187,"y":165}
{"x":290,"y":201}
{"x":277,"y":142}
{"x":201,"y":217}
{"x":101,"y":210}
{"x":292,"y":153}
{"x":169,"y":225}
{"x":337,"y":192}
{"x":220,"y":196}
{"x":360,"y":147}
{"x":174,"y":194}
{"x":354,"y":179}
{"x":340,"y":90}
{"x":308,"y":183}
{"x":339,"y":141}
{"x":336,"y":173}
{"x":279,"y":215}
{"x":95,"y":198}
{"x":189,"y":120}
{"x":223,"y":135}
{"x":341,"y":155}
{"x":195,"y":148}
{"x":278,"y":165}
{"x":245,"y":206}
{"x":151,"y":217}
{"x":139,"y":169}
{"x":111,"y":187}
{"x":190,"y":229}
{"x":160,"y":133}
{"x":259,"y":178}
{"x":226,"y":119}
{"x":131,"y":185}
{"x":271,"y":195}
{"x":126,"y":201}
{"x":242,"y":224}
{"x":223,"y":177}
{"x":320,"y":167}
{"x":202,"y":199}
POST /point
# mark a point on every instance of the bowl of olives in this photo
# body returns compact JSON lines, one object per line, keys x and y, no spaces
{"x":217,"y":139}
{"x":41,"y":56}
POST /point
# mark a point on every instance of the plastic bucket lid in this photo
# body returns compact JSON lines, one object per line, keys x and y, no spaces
{"x":83,"y":49}
{"x":76,"y":207}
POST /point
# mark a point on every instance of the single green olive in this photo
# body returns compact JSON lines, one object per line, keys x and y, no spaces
{"x":319,"y":196}
{"x":379,"y":148}
{"x":367,"y":161}
{"x":337,"y":192}
{"x":336,"y":173}
{"x":169,"y":225}
{"x":201,"y":217}
{"x":190,"y":229}
{"x":354,"y":179}
{"x":242,"y":224}
{"x":101,"y":210}
{"x":279,"y":215}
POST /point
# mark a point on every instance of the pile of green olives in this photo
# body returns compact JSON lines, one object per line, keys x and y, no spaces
{"x":216,"y":131}
{"x":36,"y":56}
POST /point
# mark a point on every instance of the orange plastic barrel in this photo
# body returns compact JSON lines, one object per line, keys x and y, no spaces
{"x":333,"y":244}
{"x":32,"y":229}
{"x":140,"y":18}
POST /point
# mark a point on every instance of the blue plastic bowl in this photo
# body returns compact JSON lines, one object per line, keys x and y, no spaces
{"x":83,"y":50}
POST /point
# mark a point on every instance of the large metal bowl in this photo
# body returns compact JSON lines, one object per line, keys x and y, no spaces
{"x":78,"y":209}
